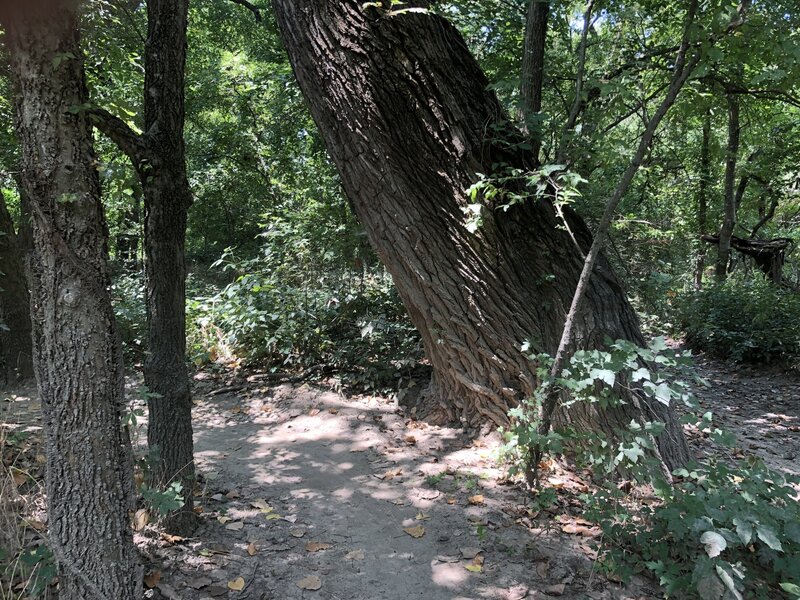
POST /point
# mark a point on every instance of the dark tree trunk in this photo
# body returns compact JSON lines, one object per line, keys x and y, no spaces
{"x":160,"y":159}
{"x":16,"y":352}
{"x":78,"y":363}
{"x":532,"y":76}
{"x":404,"y":110}
{"x":729,"y":209}
{"x":702,"y":198}
{"x":167,"y":198}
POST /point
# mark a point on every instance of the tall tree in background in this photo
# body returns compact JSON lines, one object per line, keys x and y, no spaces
{"x":532,"y":76}
{"x":158,"y":155}
{"x":405,"y":111}
{"x":78,"y":362}
{"x":16,"y":353}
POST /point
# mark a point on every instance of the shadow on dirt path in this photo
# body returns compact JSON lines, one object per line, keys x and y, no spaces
{"x":306,"y":488}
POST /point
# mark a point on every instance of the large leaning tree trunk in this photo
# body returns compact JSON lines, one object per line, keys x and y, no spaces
{"x":159,"y":157}
{"x":77,"y":354}
{"x":16,"y":352}
{"x":406,"y":116}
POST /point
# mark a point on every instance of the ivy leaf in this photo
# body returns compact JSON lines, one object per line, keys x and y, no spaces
{"x":640,"y":374}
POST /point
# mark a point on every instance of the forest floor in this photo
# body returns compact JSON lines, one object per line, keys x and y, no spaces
{"x":309,"y":493}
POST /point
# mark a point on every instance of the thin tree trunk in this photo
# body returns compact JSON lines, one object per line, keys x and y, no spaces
{"x":77,"y":357}
{"x":532,"y":76}
{"x":404,"y":110}
{"x":729,"y":215}
{"x":702,"y":198}
{"x":167,"y":198}
{"x":16,"y":350}
{"x":159,"y":157}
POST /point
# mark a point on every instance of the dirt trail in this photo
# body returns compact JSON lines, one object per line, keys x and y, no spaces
{"x":351,"y":474}
{"x":305,"y":488}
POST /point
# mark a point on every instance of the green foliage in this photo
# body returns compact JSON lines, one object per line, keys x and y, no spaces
{"x":721,"y":529}
{"x":601,"y":378}
{"x":40,"y":566}
{"x":743,"y":320}
{"x":163,"y":501}
{"x":278,"y":314}
{"x":127,"y":294}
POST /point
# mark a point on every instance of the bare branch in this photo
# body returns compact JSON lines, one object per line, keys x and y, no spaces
{"x":251,"y":7}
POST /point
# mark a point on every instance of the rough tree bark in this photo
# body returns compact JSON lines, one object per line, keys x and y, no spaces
{"x":729,"y":214}
{"x":532,"y":75}
{"x":16,"y":351}
{"x":77,"y":357}
{"x":159,"y":158}
{"x":405,"y":113}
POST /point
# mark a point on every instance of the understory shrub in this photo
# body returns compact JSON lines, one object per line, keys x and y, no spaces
{"x":717,"y":531}
{"x":277,"y":315}
{"x":743,"y":320}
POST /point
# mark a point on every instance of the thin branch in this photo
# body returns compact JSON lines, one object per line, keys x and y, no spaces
{"x":576,"y":105}
{"x":251,"y":7}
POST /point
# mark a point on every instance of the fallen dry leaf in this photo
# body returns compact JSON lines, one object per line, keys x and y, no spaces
{"x":297,"y":532}
{"x":415,"y":532}
{"x":171,"y":539}
{"x":451,"y":500}
{"x":251,"y":549}
{"x":421,"y":516}
{"x":542,"y":569}
{"x":151,"y":579}
{"x":260,"y":503}
{"x":555,"y":590}
{"x":411,"y":440}
{"x":476,"y":499}
{"x":390,"y":474}
{"x":355,"y":555}
{"x":313,"y":412}
{"x":272,"y":516}
{"x":333,"y":411}
{"x":223,"y":519}
{"x":317,"y":546}
{"x":237,"y":526}
{"x":312,"y":582}
{"x":237,"y":585}
{"x":140,"y":519}
{"x":473,"y":568}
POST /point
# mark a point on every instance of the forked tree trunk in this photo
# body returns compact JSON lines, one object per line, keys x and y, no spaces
{"x":78,"y":362}
{"x":407,"y":117}
{"x":16,"y":351}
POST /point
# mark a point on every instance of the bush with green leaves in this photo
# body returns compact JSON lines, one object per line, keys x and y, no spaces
{"x":746,"y":320}
{"x":717,"y":531}
{"x":282,"y":316}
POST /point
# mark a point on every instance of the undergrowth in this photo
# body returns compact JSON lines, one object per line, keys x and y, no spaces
{"x":745,"y":320}
{"x":717,"y":531}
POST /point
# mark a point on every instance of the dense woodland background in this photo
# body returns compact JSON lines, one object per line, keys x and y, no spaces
{"x":686,"y":114}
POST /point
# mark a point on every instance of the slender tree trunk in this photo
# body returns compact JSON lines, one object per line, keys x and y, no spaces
{"x":167,"y":198}
{"x":16,"y":351}
{"x":404,"y":110}
{"x":702,"y":198}
{"x":159,"y":157}
{"x":729,"y":216}
{"x":77,"y":357}
{"x":532,"y":76}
